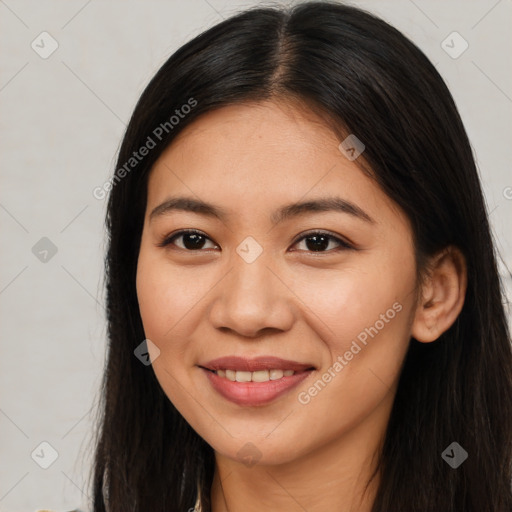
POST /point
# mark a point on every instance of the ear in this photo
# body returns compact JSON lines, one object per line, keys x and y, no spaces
{"x":442,"y":295}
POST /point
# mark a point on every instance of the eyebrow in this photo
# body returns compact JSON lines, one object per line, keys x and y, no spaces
{"x":322,"y":204}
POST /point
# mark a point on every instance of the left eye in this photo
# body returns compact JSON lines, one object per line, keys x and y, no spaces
{"x":317,"y":241}
{"x":320,"y":240}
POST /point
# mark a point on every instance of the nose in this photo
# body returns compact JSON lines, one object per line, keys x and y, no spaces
{"x":252,"y":298}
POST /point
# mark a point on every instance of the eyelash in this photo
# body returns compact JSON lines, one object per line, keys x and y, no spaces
{"x":343,"y":245}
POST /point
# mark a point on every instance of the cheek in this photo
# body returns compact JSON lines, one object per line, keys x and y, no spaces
{"x":361,"y":303}
{"x":363,"y":316}
{"x":154,"y":302}
{"x":166,"y":302}
{"x":364,"y":319}
{"x":171,"y":303}
{"x":167,"y":297}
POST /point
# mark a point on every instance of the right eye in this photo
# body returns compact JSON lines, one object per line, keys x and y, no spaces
{"x":192,"y":240}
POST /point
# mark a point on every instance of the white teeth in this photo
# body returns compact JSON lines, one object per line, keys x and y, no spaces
{"x":276,"y":374}
{"x":258,"y":376}
{"x":243,"y":376}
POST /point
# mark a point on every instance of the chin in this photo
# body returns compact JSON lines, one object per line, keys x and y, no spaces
{"x":261,"y":452}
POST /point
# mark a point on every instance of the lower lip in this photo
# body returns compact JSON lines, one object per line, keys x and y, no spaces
{"x":255,"y":393}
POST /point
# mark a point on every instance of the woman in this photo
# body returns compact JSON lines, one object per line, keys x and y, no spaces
{"x":298,"y":244}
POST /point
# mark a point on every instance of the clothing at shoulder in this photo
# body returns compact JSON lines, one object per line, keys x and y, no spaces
{"x":48,"y":510}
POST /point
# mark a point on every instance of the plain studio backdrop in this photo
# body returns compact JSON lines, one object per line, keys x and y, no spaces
{"x":71,"y":73}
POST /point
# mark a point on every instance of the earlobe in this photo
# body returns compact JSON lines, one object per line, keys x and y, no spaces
{"x":442,"y":295}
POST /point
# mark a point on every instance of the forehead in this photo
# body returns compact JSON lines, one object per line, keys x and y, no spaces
{"x":258,"y":142}
{"x":282,"y":128}
{"x":250,"y":156}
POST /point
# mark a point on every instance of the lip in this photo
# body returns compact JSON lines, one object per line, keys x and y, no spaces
{"x":255,"y":364}
{"x":251,"y":394}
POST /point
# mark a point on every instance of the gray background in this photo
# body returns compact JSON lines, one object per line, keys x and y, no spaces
{"x":62,"y":121}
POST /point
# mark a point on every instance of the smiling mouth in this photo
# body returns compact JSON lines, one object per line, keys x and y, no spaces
{"x":257,"y":376}
{"x":255,"y":388}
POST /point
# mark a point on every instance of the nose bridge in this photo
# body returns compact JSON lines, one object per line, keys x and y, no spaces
{"x":252,"y":297}
{"x":250,"y":286}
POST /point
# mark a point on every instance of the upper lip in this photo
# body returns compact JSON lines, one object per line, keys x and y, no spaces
{"x":255,"y":364}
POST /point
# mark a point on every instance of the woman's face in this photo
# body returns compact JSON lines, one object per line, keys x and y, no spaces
{"x":257,"y":282}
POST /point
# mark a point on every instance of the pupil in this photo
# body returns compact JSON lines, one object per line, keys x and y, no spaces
{"x":197,"y":241}
{"x":317,"y":245}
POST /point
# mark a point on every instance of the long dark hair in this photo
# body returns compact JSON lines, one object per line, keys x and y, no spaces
{"x":365,"y":78}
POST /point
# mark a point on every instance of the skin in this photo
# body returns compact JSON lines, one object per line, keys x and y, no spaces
{"x":291,"y":302}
